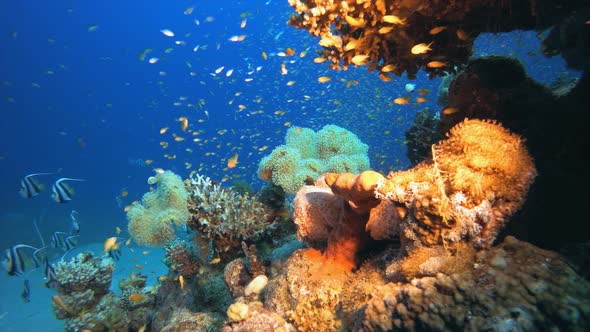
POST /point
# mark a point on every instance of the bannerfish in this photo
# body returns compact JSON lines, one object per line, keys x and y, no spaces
{"x":62,"y":192}
{"x":16,"y":261}
{"x":26,"y":294}
{"x":50,"y":276}
{"x":63,"y":241}
{"x":75,"y":224}
{"x":30,"y":187}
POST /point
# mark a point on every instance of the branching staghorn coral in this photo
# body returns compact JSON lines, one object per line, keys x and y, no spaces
{"x":224,"y":217}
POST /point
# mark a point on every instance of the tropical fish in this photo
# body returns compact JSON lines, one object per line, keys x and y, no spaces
{"x":16,"y":262}
{"x":409,"y":87}
{"x":167,"y":32}
{"x":181,"y":281}
{"x":421,"y":48}
{"x":110,"y":243}
{"x":62,"y":192}
{"x":30,"y":187}
{"x":114,"y":253}
{"x":436,"y":64}
{"x":49,"y":272}
{"x":233,"y":161}
{"x":63,"y":241}
{"x":437,"y":30}
{"x":393,"y":19}
{"x":75,"y":224}
{"x":26,"y":294}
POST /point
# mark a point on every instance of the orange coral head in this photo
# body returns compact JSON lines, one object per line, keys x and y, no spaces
{"x":358,"y":190}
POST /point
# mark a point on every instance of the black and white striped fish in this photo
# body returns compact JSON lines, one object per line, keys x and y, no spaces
{"x":50,"y":276}
{"x":75,"y":224}
{"x":30,"y":187}
{"x":62,"y":192}
{"x":63,"y":241}
{"x":26,"y":294}
{"x":16,"y":260}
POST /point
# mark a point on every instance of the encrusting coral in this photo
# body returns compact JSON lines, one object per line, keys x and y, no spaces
{"x":161,"y":212}
{"x":307,"y":154}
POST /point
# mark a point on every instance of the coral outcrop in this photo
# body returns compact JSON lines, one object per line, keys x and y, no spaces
{"x":183,"y":257}
{"x":477,"y":179}
{"x":513,"y":286}
{"x":223,"y":218}
{"x":306,"y":155}
{"x":161,"y":212}
{"x":404,"y":36}
{"x":85,"y":302}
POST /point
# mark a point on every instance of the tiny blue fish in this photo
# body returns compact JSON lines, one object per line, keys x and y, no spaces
{"x":62,"y":192}
{"x":30,"y":187}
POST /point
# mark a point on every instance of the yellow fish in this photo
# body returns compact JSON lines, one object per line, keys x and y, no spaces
{"x":181,"y":281}
{"x":110,"y":243}
{"x":324,"y":79}
{"x":233,"y":161}
{"x":421,"y":48}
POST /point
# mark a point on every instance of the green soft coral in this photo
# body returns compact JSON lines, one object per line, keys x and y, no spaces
{"x":153,"y":222}
{"x":306,"y":155}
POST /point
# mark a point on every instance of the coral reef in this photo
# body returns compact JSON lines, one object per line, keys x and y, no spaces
{"x":86,"y":303}
{"x":465,"y":194}
{"x":554,"y":125}
{"x":421,"y":135}
{"x":183,"y":257}
{"x":153,"y":222}
{"x":383,"y":35}
{"x":514,"y":286}
{"x":307,"y":154}
{"x":225,"y":218}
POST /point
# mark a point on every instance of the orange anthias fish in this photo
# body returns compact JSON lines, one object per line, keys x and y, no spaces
{"x":110,"y":243}
{"x":402,"y":100}
{"x":289,"y":51}
{"x":181,"y":281}
{"x":233,"y":161}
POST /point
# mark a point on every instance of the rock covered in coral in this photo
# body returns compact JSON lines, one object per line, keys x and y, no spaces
{"x":478,"y":178}
{"x":307,"y":154}
{"x":244,"y":317}
{"x":223,"y":217}
{"x":184,"y":320}
{"x":183,"y":257}
{"x":383,"y":35}
{"x":86,"y":303}
{"x":83,"y":272}
{"x":81,"y":283}
{"x":153,"y":222}
{"x":514,"y":286}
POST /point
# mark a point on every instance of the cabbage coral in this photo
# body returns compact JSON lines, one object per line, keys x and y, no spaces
{"x":307,"y":154}
{"x":153,"y":222}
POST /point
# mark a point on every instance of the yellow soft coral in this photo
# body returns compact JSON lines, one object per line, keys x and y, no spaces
{"x":153,"y":222}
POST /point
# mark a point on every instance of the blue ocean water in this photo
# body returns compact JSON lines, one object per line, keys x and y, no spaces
{"x":76,"y":100}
